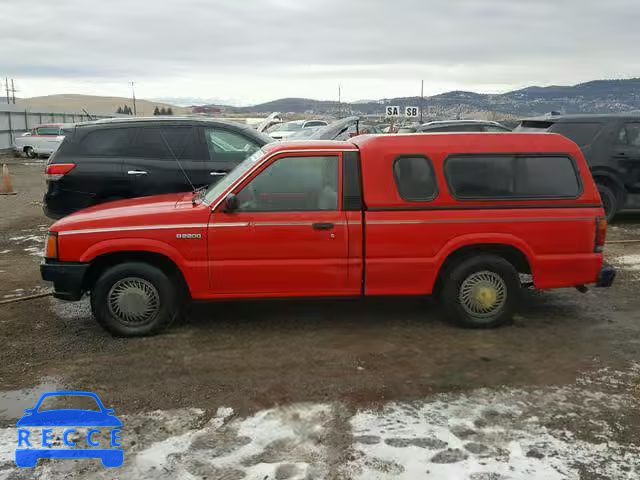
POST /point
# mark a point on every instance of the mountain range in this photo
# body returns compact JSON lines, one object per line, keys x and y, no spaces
{"x":598,"y":96}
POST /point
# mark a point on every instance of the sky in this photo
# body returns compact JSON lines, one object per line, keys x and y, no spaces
{"x":251,"y":51}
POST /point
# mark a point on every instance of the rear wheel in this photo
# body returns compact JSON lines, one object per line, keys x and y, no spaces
{"x":134,"y":299}
{"x":480,"y":291}
{"x":609,"y":200}
{"x":29,"y":152}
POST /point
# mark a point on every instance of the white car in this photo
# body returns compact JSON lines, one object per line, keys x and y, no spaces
{"x":41,"y":140}
{"x":285,"y":130}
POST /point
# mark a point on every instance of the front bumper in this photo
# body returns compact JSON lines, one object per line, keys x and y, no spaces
{"x":67,"y":277}
{"x":606,"y":276}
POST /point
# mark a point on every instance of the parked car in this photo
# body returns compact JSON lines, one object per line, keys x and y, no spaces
{"x":41,"y":140}
{"x":611,"y":145}
{"x":120,"y":158}
{"x":285,"y":130}
{"x":273,"y":119}
{"x":460,"y":216}
{"x":462,"y":126}
{"x":344,"y":129}
{"x":411,"y":128}
{"x":303,"y":133}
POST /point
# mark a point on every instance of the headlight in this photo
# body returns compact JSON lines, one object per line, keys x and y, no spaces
{"x":51,"y":247}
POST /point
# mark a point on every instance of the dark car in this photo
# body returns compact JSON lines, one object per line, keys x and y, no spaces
{"x":121,"y":158}
{"x":611,"y":145}
{"x":462,"y":126}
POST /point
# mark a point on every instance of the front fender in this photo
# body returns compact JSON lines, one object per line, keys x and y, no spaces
{"x":133,"y":245}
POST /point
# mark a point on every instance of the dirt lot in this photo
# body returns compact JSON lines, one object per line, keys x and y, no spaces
{"x":381,"y":388}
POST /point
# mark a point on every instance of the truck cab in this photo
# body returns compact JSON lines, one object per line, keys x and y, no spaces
{"x":457,"y":215}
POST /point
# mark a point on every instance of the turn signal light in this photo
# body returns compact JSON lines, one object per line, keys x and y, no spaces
{"x":58,"y":170}
{"x":601,"y":233}
{"x":51,"y":248}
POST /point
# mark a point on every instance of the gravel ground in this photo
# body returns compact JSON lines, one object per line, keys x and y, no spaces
{"x":377,"y":388}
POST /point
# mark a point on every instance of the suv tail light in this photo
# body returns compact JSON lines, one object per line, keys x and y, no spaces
{"x":58,"y":170}
{"x":601,"y":233}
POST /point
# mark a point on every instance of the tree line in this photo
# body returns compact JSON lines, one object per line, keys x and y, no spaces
{"x":126,"y":110}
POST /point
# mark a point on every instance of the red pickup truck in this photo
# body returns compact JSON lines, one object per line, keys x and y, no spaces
{"x":460,"y":215}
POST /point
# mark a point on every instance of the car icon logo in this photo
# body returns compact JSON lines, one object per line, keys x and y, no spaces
{"x":43,"y":422}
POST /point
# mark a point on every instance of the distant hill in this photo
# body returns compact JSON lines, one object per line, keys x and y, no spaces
{"x":95,"y":104}
{"x":599,"y":96}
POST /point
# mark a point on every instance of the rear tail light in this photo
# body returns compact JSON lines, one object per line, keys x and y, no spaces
{"x":51,"y":247}
{"x":601,"y":233}
{"x":58,"y":170}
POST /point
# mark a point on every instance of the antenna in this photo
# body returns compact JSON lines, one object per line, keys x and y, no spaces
{"x":164,"y":139}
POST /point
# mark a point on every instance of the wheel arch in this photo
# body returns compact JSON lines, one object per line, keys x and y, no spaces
{"x":104,"y":261}
{"x":513,"y":250}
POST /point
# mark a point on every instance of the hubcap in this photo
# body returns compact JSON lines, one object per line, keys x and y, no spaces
{"x":133,"y":301}
{"x":482,"y":294}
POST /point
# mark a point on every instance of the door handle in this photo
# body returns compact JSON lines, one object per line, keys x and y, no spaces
{"x":136,"y":172}
{"x":218,"y":174}
{"x":322,"y":226}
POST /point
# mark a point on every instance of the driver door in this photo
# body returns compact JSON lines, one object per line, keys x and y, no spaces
{"x":288,"y":236}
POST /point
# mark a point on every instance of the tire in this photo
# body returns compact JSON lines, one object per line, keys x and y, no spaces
{"x":482,"y":279}
{"x":29,"y":152}
{"x":609,"y":200}
{"x":135,"y":299}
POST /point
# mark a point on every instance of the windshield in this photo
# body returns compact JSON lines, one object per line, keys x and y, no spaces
{"x":216,"y":189}
{"x":287,"y":127}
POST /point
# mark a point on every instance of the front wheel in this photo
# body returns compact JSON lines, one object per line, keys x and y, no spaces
{"x":481,"y":292}
{"x":134,"y":299}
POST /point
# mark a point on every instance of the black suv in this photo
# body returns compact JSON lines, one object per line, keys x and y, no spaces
{"x":611,"y":145}
{"x":133,"y":157}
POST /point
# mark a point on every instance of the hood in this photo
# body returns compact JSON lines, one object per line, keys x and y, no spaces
{"x":331,"y":131}
{"x":126,"y":212}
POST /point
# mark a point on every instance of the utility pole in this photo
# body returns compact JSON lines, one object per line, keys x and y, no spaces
{"x":13,"y":91}
{"x":421,"y":99}
{"x":339,"y":100}
{"x":6,"y":84}
{"x":133,"y":96}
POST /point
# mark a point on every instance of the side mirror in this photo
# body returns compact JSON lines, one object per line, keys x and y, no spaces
{"x":231,"y":203}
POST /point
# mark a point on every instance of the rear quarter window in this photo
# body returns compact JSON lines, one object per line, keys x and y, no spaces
{"x":415,"y":178}
{"x":482,"y":177}
{"x":580,"y":133}
{"x":105,"y":142}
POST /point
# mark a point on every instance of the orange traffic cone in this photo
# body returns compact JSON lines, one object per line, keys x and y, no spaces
{"x":6,"y":188}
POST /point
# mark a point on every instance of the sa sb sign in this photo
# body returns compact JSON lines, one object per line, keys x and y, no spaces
{"x":392,"y":111}
{"x":411,"y":112}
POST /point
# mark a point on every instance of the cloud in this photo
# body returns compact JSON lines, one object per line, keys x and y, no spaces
{"x":263,"y":49}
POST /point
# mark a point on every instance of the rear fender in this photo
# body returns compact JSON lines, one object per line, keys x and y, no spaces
{"x":493,"y":239}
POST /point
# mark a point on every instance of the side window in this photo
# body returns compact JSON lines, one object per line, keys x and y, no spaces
{"x":546,"y":177}
{"x":480,"y":177}
{"x":163,"y":143}
{"x":293,"y":184}
{"x":507,"y":176}
{"x":225,"y":141}
{"x":581,"y":133}
{"x":415,"y":179}
{"x":633,"y":134}
{"x":105,"y":142}
{"x":48,"y":131}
